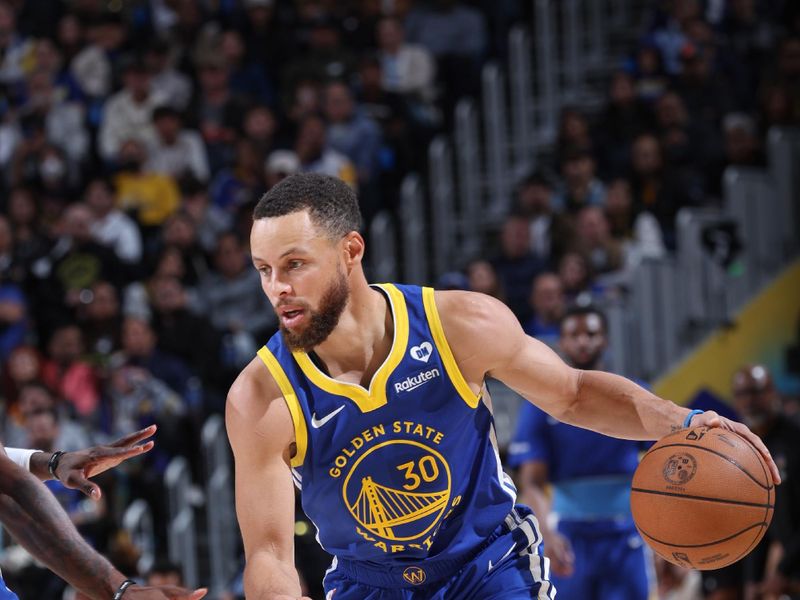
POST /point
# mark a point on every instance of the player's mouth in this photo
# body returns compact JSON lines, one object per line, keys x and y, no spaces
{"x":291,"y":316}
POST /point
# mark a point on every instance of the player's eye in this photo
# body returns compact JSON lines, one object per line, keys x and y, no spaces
{"x":295,"y":264}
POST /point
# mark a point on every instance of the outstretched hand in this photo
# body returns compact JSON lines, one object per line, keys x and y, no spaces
{"x":75,"y":468}
{"x":710,"y":418}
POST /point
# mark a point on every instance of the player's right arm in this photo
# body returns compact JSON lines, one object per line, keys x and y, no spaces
{"x":261,"y":434}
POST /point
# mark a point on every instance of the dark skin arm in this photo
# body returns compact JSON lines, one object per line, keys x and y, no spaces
{"x":36,"y":520}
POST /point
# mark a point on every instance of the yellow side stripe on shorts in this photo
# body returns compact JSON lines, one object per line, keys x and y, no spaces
{"x":299,"y":421}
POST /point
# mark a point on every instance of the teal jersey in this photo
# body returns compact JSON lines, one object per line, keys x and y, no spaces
{"x":407,"y":470}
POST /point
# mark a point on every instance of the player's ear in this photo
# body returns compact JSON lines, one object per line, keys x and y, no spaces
{"x":353,"y":249}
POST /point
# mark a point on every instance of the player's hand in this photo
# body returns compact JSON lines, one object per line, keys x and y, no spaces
{"x":164,"y":592}
{"x":75,"y":468}
{"x":710,"y":418}
{"x":558,"y":549}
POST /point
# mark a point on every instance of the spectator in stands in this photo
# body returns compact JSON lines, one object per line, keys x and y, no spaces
{"x":326,"y":59}
{"x":183,"y":334}
{"x":111,"y":226}
{"x":757,"y":400}
{"x":210,"y":221}
{"x":62,"y":115}
{"x":704,"y":92}
{"x":94,"y":66}
{"x":176,"y":151}
{"x":456,"y":36}
{"x":279,"y":165}
{"x":625,"y":116}
{"x":688,"y":143}
{"x":7,"y":262}
{"x":247,"y":79}
{"x":516,"y":266}
{"x":243,"y":183}
{"x":24,"y":365}
{"x":13,"y":314}
{"x":593,"y":240}
{"x":35,"y":398}
{"x":229,"y":297}
{"x":742,"y":144}
{"x":548,"y":304}
{"x":573,"y":132}
{"x":127,"y":115}
{"x":140,"y":349}
{"x":260,"y":127}
{"x":14,"y":48}
{"x":216,"y":109}
{"x":580,"y":187}
{"x":30,"y":243}
{"x":356,"y":136}
{"x":407,"y":69}
{"x":268,"y":41}
{"x":75,"y":262}
{"x":669,"y":36}
{"x":67,"y":374}
{"x":550,"y":230}
{"x":176,"y":86}
{"x":317,"y":157}
{"x":101,"y":322}
{"x":153,"y":197}
{"x":655,"y":188}
{"x":637,"y":231}
{"x":483,"y":278}
{"x":577,"y":280}
{"x":165,"y":572}
{"x":180,"y":233}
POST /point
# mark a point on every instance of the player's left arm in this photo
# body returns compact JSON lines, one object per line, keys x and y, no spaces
{"x":488,"y":341}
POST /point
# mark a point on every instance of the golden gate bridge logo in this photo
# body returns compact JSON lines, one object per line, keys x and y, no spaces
{"x":398,"y":490}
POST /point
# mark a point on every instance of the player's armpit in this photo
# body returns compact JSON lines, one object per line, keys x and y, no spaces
{"x":260,"y":431}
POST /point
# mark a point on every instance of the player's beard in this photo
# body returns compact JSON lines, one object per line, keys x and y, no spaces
{"x":322,"y":321}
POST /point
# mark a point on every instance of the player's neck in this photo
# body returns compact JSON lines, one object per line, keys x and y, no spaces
{"x":363,"y":337}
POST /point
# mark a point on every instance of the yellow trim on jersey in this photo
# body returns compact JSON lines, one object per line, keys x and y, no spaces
{"x":300,"y":430}
{"x":450,"y":365}
{"x":376,"y":396}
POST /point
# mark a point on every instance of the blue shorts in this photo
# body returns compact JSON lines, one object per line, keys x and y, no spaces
{"x":5,"y":593}
{"x":593,"y":579}
{"x":510,"y":566}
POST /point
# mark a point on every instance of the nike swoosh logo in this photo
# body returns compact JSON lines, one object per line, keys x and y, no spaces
{"x":317,"y":423}
{"x":502,"y":558}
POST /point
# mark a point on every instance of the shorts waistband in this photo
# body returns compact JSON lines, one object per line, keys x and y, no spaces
{"x":427,"y":570}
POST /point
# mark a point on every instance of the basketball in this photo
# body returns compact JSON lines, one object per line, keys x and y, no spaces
{"x":702,"y":498}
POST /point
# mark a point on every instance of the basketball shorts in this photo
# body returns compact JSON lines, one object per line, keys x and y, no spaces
{"x":509,"y":566}
{"x":592,"y":579}
{"x":5,"y":593}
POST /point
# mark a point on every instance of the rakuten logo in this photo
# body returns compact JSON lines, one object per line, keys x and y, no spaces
{"x":412,"y":383}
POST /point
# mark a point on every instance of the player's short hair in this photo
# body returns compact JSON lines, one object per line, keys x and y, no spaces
{"x":330,"y":202}
{"x":582,"y":310}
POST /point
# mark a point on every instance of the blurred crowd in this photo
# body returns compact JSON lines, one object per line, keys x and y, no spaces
{"x":136,"y":137}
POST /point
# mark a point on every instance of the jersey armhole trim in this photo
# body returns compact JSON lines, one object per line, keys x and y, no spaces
{"x":450,"y":365}
{"x":292,"y":402}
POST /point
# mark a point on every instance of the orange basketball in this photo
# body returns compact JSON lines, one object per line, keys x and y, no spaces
{"x":702,"y":498}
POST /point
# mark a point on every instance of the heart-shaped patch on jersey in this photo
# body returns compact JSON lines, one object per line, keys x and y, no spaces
{"x":422,"y":352}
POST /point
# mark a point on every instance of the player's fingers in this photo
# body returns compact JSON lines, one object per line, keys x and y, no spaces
{"x":132,"y":438}
{"x":756,"y":441}
{"x":76,"y":481}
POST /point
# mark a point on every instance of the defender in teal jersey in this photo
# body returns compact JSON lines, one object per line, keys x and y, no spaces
{"x":371,"y":399}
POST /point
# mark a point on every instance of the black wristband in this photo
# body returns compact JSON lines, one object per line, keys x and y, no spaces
{"x":122,"y":587}
{"x":52,"y":464}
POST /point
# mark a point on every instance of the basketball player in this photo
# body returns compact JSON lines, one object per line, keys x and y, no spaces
{"x":35,"y":519}
{"x":371,"y":400}
{"x":591,"y":479}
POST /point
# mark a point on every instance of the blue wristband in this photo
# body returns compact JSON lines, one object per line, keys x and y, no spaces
{"x":690,"y":416}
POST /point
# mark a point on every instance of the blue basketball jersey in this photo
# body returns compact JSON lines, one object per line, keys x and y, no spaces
{"x":404,"y":471}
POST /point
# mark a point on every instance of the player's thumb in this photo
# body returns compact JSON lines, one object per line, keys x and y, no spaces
{"x":197,"y":594}
{"x":78,"y":482}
